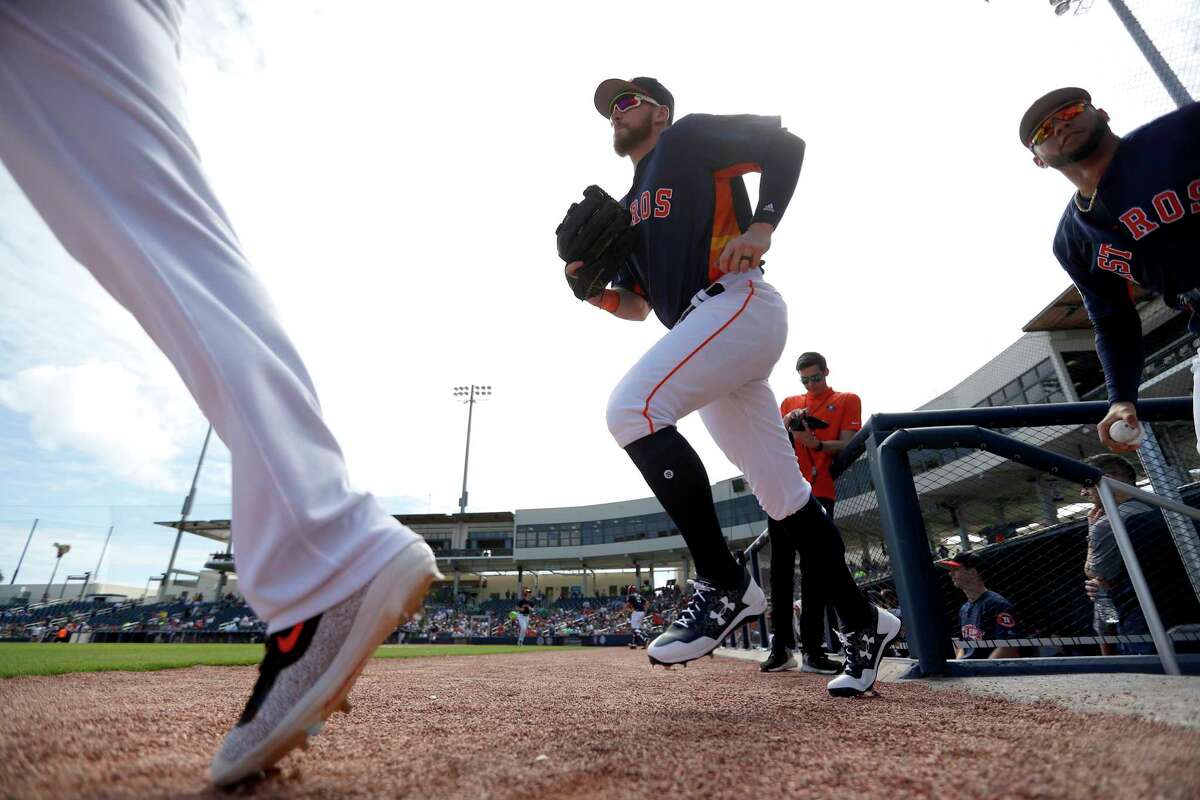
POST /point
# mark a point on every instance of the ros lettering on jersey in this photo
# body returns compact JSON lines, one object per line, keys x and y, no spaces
{"x":641,"y":207}
{"x":1167,"y":207}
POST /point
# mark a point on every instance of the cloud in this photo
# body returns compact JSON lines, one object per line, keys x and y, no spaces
{"x":131,"y":426}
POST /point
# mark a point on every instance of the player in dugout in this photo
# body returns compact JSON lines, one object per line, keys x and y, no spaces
{"x":985,"y":616}
{"x":821,"y":422}
{"x":1133,"y":219}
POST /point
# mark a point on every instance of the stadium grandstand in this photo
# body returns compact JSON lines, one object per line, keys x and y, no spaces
{"x":579,"y":560}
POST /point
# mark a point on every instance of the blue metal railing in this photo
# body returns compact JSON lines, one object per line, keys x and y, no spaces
{"x":887,"y":441}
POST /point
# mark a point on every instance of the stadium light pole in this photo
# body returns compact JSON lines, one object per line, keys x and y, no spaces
{"x":470,"y":395}
{"x":62,"y":550}
{"x":22,"y":558}
{"x":103,"y":550}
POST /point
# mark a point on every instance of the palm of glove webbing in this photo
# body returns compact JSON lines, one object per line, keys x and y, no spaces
{"x":597,"y":231}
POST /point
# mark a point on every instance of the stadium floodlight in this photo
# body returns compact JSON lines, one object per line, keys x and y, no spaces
{"x":470,"y":394}
{"x":60,"y":550}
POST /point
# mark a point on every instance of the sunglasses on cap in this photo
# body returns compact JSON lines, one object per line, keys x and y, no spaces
{"x":1046,"y":129}
{"x":628,"y":102}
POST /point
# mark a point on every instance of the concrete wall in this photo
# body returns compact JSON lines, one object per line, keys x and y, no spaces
{"x":71,"y":592}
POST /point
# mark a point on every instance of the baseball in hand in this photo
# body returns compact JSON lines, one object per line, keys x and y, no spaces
{"x":1121,"y":431}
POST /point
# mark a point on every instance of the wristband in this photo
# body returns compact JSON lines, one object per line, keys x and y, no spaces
{"x":610,"y":301}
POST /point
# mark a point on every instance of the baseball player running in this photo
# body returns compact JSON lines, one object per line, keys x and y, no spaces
{"x":1134,"y":218}
{"x":635,"y":604}
{"x":696,"y":262}
{"x":524,"y":612}
{"x":92,"y":129}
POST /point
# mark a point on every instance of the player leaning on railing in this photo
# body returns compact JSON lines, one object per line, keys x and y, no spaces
{"x":1134,"y":219}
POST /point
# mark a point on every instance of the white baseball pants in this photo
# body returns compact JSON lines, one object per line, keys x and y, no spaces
{"x":717,"y":360}
{"x":635,"y":619}
{"x":92,"y":129}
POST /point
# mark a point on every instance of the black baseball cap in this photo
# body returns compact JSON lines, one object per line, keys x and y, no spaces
{"x":966,"y":560}
{"x":1046,"y":105}
{"x":611,"y":89}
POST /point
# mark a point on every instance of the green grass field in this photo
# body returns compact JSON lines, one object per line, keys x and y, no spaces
{"x":20,"y":659}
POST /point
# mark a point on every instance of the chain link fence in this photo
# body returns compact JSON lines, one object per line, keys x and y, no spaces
{"x":1173,"y":30}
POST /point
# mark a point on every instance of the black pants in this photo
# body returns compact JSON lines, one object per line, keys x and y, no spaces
{"x":825,"y":578}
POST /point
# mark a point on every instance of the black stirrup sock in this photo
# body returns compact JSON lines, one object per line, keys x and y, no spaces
{"x":679,"y":481}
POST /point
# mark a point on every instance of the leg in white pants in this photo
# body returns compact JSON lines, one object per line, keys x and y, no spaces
{"x":91,"y":127}
{"x":717,"y":360}
{"x":748,"y":428}
{"x":523,"y":625}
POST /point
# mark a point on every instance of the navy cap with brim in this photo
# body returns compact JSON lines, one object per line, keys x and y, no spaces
{"x":1046,"y":105}
{"x":611,"y":89}
{"x":960,"y":561}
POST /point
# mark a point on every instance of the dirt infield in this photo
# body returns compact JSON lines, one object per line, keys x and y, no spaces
{"x":585,"y":723}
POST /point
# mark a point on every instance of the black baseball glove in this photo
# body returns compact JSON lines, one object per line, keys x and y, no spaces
{"x":598,"y":232}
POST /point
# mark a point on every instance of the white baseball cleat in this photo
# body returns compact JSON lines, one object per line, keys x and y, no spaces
{"x":712,"y":613}
{"x":864,"y":650}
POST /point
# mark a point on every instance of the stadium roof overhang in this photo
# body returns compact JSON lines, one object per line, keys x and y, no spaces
{"x":1066,"y":312}
{"x":216,"y":529}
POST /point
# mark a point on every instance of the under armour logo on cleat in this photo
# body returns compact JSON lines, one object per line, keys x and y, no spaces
{"x":720,"y":616}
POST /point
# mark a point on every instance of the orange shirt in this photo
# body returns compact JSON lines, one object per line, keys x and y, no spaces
{"x":843,"y":412}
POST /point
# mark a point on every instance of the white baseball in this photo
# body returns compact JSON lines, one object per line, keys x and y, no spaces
{"x":1121,"y":431}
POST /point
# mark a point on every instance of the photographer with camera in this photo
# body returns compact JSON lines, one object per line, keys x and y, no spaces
{"x":820,"y":422}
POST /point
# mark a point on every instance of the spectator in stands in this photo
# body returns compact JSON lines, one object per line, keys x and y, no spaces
{"x":985,"y":615}
{"x":1116,"y":608}
{"x":890,"y":602}
{"x":820,"y":422}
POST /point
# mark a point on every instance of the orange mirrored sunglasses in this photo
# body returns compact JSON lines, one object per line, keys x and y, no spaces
{"x":1046,"y":129}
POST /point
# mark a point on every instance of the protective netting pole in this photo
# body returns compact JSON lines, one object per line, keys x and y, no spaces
{"x":1165,"y":479}
{"x":1166,"y":75}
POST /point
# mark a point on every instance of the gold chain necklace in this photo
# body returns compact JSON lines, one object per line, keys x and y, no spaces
{"x":1091,"y":201}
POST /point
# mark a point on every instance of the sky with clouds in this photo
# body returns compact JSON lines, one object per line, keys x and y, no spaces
{"x":396,"y":171}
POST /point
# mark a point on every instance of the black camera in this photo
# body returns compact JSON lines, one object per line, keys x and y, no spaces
{"x":803,"y":421}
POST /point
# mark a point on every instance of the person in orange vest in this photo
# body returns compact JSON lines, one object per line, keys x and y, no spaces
{"x":821,"y":422}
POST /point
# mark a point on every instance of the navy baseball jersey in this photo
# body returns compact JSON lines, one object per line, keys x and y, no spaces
{"x":524,"y":606}
{"x":688,"y":200}
{"x":637,"y":601}
{"x":1143,"y":228}
{"x":990,"y":616}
